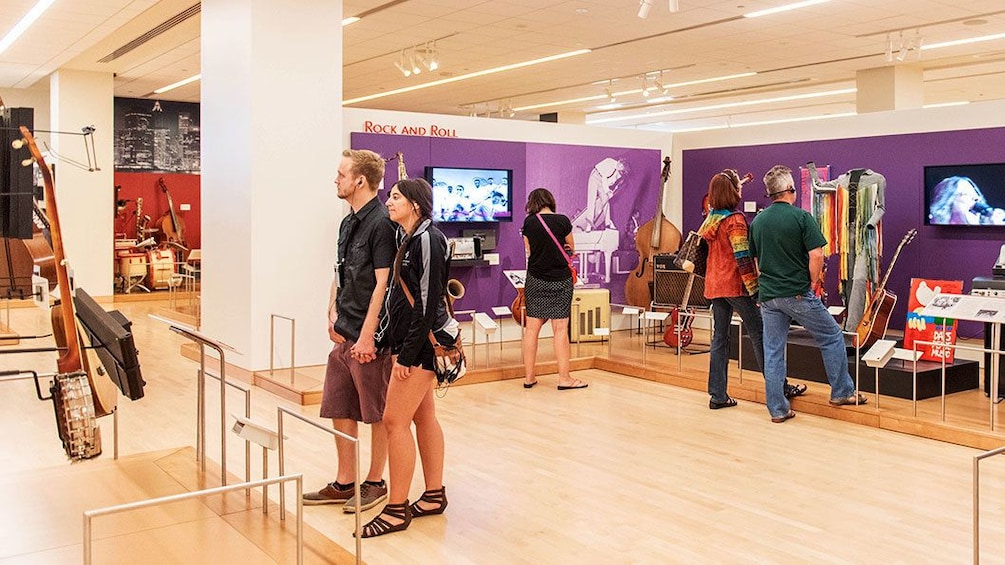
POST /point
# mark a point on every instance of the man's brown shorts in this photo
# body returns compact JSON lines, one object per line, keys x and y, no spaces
{"x":355,"y":390}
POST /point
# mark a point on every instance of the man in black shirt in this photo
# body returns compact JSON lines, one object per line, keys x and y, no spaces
{"x":357,"y":375}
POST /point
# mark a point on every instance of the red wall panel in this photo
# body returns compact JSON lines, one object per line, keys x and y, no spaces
{"x":184,"y":189}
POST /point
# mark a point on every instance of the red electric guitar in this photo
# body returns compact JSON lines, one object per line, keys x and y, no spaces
{"x":678,"y":332}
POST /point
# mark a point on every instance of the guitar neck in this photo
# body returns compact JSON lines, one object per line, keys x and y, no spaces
{"x":886,"y":277}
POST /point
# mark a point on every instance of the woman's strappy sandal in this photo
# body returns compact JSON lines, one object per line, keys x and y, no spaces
{"x":379,"y":526}
{"x":437,"y":497}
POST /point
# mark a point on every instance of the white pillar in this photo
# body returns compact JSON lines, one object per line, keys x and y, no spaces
{"x":271,"y":142}
{"x":85,"y":198}
{"x":897,"y":87}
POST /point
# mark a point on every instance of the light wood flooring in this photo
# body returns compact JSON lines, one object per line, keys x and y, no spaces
{"x":630,"y":470}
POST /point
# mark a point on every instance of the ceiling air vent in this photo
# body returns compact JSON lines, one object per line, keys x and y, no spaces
{"x":163,"y":27}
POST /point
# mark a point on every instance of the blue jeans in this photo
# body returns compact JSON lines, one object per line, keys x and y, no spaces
{"x":809,"y":312}
{"x":722,"y":315}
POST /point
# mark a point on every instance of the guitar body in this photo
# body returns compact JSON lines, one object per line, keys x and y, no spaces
{"x":517,"y":307}
{"x":876,"y":319}
{"x":671,"y":336}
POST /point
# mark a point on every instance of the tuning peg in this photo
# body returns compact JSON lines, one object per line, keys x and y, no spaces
{"x":28,"y":162}
{"x":18,"y":143}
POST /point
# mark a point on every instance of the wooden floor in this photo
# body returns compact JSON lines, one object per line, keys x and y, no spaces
{"x":630,"y":470}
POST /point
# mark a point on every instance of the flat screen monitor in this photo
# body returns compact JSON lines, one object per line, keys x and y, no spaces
{"x":965,"y":195}
{"x":111,"y":339}
{"x":471,"y":195}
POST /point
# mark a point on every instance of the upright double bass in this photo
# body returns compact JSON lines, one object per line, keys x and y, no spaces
{"x":656,"y":236}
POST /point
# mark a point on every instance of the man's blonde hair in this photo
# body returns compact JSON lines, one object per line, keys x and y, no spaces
{"x":368,"y":164}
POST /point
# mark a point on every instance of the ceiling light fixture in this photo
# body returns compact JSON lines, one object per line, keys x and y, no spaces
{"x":610,"y":94}
{"x":963,"y":41}
{"x":402,"y":65}
{"x":888,"y":54}
{"x":349,"y":21}
{"x":20,"y":27}
{"x":563,"y":102}
{"x":413,"y":62}
{"x":645,"y":87}
{"x":173,"y":86}
{"x":946,"y":104}
{"x":707,"y":80}
{"x":644,"y":7}
{"x":467,"y":76}
{"x":725,"y":105}
{"x":784,"y":8}
{"x":674,"y":6}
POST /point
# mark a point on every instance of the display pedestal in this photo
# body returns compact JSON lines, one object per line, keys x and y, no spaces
{"x":8,"y":336}
{"x":806,"y":363}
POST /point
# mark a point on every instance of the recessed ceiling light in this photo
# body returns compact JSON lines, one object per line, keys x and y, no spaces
{"x":581,"y":11}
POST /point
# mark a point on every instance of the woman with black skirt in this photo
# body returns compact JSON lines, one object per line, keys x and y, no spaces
{"x":548,"y":285}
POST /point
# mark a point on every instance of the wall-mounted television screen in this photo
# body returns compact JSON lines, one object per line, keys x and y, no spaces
{"x":965,"y":195}
{"x":471,"y":195}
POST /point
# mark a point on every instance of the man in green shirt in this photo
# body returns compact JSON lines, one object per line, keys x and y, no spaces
{"x":788,"y":246}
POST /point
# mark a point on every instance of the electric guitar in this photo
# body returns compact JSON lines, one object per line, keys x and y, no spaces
{"x":677,"y":331}
{"x":876,"y":316}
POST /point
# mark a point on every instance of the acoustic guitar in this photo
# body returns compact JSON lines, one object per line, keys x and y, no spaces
{"x":876,"y":317}
{"x":657,"y":235}
{"x":78,"y":395}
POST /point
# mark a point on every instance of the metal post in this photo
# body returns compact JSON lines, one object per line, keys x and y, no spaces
{"x":282,"y":467}
{"x":272,"y":344}
{"x":115,"y":433}
{"x":204,"y":342}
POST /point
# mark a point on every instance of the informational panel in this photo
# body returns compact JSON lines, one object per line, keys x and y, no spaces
{"x":935,"y":329}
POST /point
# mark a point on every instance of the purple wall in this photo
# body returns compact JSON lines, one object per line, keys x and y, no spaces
{"x":563,"y":169}
{"x":955,"y":253}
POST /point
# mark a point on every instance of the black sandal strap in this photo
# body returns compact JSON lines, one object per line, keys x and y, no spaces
{"x":437,"y":497}
{"x":379,"y":526}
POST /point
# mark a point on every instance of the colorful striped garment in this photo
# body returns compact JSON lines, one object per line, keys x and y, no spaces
{"x":721,"y":276}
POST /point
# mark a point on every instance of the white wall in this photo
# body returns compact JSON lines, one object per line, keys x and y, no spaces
{"x":36,"y":97}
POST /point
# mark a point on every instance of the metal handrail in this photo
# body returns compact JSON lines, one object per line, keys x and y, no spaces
{"x":977,"y":499}
{"x":282,"y":469}
{"x":993,"y":384}
{"x":205,"y":342}
{"x":247,"y":414}
{"x":91,"y":514}
{"x":272,"y":344}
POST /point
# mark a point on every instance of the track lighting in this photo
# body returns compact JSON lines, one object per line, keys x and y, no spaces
{"x":610,"y":95}
{"x":416,"y":69}
{"x":412,"y":60}
{"x":401,"y":65}
{"x":888,"y":54}
{"x":644,"y":7}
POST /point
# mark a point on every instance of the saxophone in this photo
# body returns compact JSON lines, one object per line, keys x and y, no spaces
{"x":141,"y":221}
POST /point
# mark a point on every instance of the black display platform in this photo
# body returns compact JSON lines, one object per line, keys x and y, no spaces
{"x":806,"y":363}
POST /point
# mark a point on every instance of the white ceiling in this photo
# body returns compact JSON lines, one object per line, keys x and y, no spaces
{"x":815,"y":49}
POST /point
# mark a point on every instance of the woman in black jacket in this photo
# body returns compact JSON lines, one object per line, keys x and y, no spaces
{"x":414,"y":306}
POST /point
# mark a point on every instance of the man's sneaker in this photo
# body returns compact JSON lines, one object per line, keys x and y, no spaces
{"x":331,"y":494}
{"x":370,"y":494}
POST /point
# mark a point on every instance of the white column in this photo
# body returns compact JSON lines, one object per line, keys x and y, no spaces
{"x":85,"y":198}
{"x":271,"y":142}
{"x":896,"y":87}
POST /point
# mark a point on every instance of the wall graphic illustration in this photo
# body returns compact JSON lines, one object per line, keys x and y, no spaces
{"x":156,"y":136}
